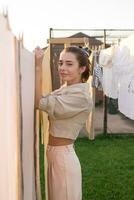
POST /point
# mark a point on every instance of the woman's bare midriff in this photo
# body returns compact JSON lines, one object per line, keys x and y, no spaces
{"x":56,"y":141}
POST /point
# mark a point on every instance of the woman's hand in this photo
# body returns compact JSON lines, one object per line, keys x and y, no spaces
{"x":39,"y":54}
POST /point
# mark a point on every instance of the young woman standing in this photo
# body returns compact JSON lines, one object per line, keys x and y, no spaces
{"x":68,"y":108}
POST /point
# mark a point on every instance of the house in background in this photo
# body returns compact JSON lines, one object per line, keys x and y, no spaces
{"x":90,"y":40}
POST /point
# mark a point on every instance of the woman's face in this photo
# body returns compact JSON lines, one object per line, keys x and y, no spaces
{"x":69,"y":69}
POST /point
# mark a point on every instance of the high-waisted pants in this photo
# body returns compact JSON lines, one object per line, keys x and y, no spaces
{"x":64,"y":173}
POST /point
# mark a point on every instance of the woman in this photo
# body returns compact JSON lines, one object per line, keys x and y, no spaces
{"x":68,"y":109}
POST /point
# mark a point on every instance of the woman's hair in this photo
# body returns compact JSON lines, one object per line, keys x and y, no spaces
{"x":82,"y":55}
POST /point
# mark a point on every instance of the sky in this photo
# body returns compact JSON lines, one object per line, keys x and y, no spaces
{"x":34,"y":18}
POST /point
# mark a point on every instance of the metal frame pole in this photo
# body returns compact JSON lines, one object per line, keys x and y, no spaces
{"x":105,"y":99}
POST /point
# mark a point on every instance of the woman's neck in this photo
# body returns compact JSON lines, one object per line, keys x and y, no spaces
{"x":68,"y":83}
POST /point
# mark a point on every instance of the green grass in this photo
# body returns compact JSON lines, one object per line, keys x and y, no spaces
{"x":42,"y":181}
{"x":107,"y":167}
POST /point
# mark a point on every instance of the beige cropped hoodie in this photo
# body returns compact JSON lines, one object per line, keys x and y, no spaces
{"x":68,"y":108}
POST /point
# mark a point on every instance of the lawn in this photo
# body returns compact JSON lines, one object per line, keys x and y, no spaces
{"x":107,"y":167}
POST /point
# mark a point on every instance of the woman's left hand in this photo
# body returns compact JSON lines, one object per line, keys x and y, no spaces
{"x":39,"y":54}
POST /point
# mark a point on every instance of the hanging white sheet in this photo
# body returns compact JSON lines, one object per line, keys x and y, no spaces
{"x":27,"y":68}
{"x":9,"y":113}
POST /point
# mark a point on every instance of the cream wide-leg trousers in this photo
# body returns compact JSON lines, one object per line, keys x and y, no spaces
{"x":64,"y":173}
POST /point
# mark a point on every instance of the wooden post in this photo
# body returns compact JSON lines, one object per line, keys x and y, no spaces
{"x":90,"y":121}
{"x":38,"y":79}
{"x":66,"y":45}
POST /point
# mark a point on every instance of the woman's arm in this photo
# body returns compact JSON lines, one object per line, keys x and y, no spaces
{"x":38,"y":75}
{"x":65,"y":105}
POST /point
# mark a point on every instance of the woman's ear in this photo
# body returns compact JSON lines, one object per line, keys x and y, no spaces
{"x":82,"y":69}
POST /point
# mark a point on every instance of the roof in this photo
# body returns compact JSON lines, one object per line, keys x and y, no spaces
{"x":92,"y":39}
